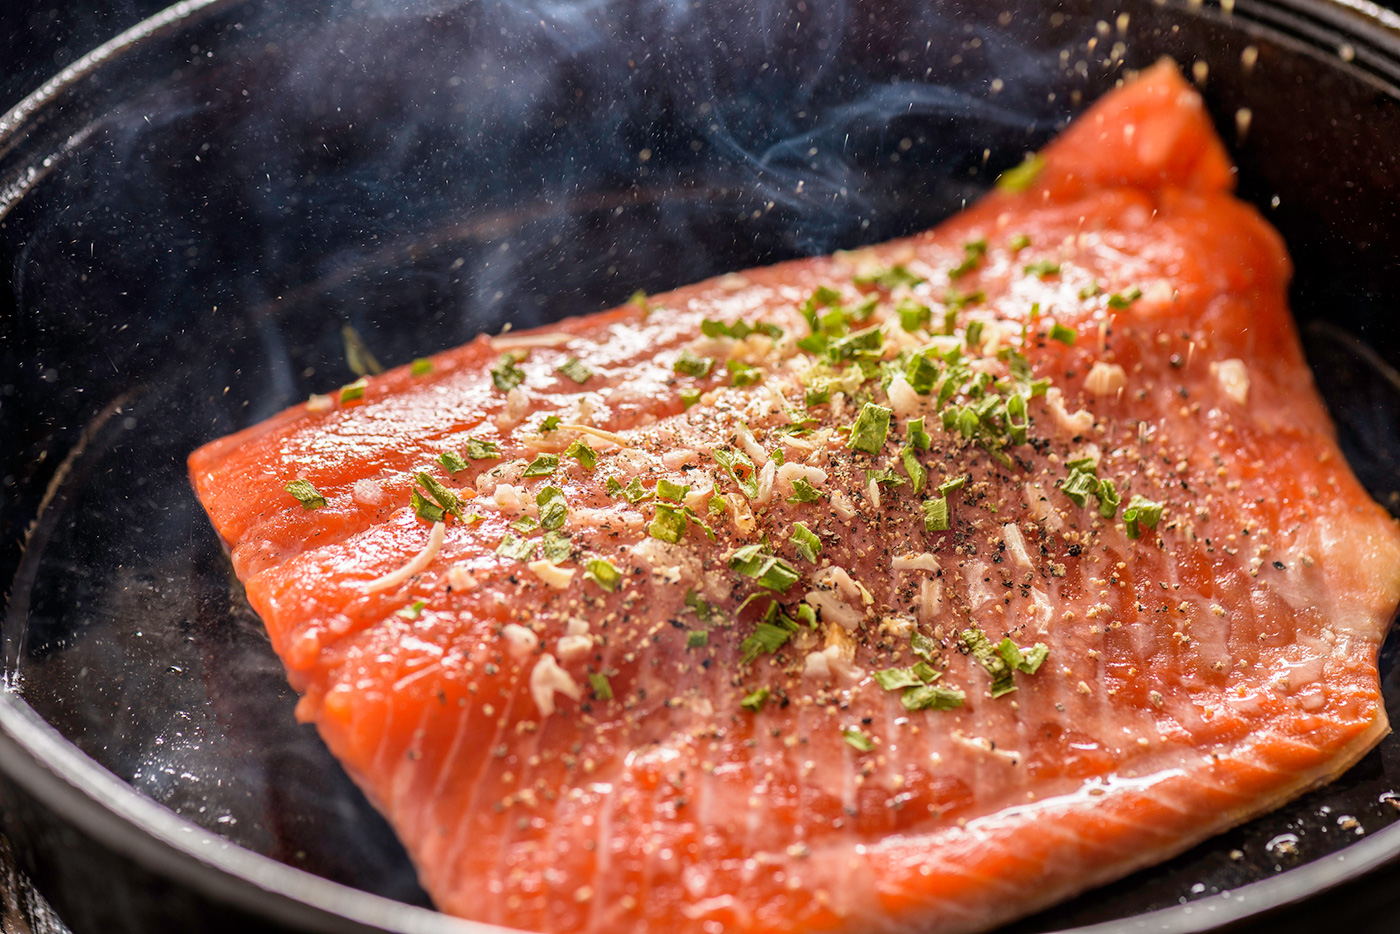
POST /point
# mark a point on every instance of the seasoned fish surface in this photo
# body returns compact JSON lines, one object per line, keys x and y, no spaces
{"x":914,"y":588}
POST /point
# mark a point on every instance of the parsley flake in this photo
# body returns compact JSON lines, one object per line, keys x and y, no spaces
{"x":1043,"y":269}
{"x":352,"y":392}
{"x":688,"y":364}
{"x":857,"y":740}
{"x":412,"y":611}
{"x":1063,"y":334}
{"x":870,"y":429}
{"x":742,"y":374}
{"x":806,"y":542}
{"x":768,"y":570}
{"x":553,"y":508}
{"x":803,"y":491}
{"x":452,"y":461}
{"x":482,"y":450}
{"x":550,"y":423}
{"x":1023,"y":176}
{"x":425,"y":508}
{"x":755,"y":701}
{"x":669,"y":524}
{"x":581,"y":452}
{"x":932,"y":697}
{"x":1141,"y":512}
{"x":542,"y":466}
{"x":518,"y":549}
{"x":602,"y":690}
{"x":602,"y":572}
{"x":936,"y":514}
{"x":1121,"y":300}
{"x":505,"y":374}
{"x":576,"y":370}
{"x":306,"y":494}
{"x":421,"y":366}
{"x":444,"y":497}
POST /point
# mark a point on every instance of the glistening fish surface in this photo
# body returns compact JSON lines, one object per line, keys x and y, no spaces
{"x":913,"y":588}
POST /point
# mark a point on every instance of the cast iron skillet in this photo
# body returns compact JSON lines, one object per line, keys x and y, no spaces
{"x":191,"y":214}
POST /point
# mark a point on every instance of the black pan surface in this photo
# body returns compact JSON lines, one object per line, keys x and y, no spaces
{"x":190,"y":218}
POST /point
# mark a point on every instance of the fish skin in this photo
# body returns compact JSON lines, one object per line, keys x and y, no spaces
{"x":1191,"y":682}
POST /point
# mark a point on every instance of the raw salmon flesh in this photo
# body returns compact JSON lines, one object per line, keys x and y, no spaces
{"x":907,"y":589}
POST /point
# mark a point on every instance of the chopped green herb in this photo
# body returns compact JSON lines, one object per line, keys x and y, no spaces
{"x":889,"y":278}
{"x":1140,"y":512}
{"x":613,"y":486}
{"x":482,"y":450}
{"x":452,"y":461}
{"x":885,"y":477}
{"x":422,"y":366}
{"x":445,"y":498}
{"x":639,"y":298}
{"x":576,"y":370}
{"x":924,"y":646}
{"x":542,"y":466}
{"x":739,"y":329}
{"x":691,"y":365}
{"x":806,"y":542}
{"x":556,"y":547}
{"x":732,"y":461}
{"x":974,"y":333}
{"x":519,"y":549}
{"x":602,"y":573}
{"x":948,"y":486}
{"x":1043,"y":269}
{"x":525,"y":524}
{"x":936,"y":514}
{"x":807,"y":614}
{"x":669,"y":524}
{"x":913,"y":315}
{"x":306,"y":494}
{"x":675,"y":492}
{"x":689,"y":397}
{"x":894,"y":679}
{"x":857,"y":740}
{"x":1023,"y":176}
{"x":755,"y":701}
{"x":602,"y":690}
{"x":1018,"y":242}
{"x":915,"y":433}
{"x":1089,"y":291}
{"x":742,"y":374}
{"x":717,"y":505}
{"x":989,"y":658}
{"x":412,"y":611}
{"x":353,"y":391}
{"x":1109,"y":499}
{"x":1065,"y":335}
{"x":705,"y":612}
{"x":550,"y":423}
{"x":505,"y":374}
{"x":635,"y":492}
{"x":917,"y":474}
{"x":932,"y":697}
{"x":871,"y":427}
{"x":766,"y":639}
{"x":972,"y":258}
{"x":554,"y":511}
{"x":696,"y":639}
{"x":581,"y":452}
{"x":803,"y":491}
{"x":768,"y":570}
{"x":1024,"y":660}
{"x":1125,"y":298}
{"x":425,"y":508}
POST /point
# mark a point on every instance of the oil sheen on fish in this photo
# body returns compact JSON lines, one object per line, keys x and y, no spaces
{"x":913,"y":588}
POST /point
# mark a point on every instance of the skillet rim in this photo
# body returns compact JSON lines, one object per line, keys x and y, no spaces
{"x":83,"y":794}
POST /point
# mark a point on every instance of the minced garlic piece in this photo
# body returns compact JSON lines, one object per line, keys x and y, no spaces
{"x":551,"y":573}
{"x":1105,"y":379}
{"x":1233,"y":377}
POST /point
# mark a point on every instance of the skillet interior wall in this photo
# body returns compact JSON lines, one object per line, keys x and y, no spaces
{"x":297,"y":172}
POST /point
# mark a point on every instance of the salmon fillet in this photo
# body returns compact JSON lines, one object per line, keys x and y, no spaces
{"x":914,"y":588}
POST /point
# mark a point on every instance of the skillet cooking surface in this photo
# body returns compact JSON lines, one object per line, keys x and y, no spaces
{"x":188,"y":267}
